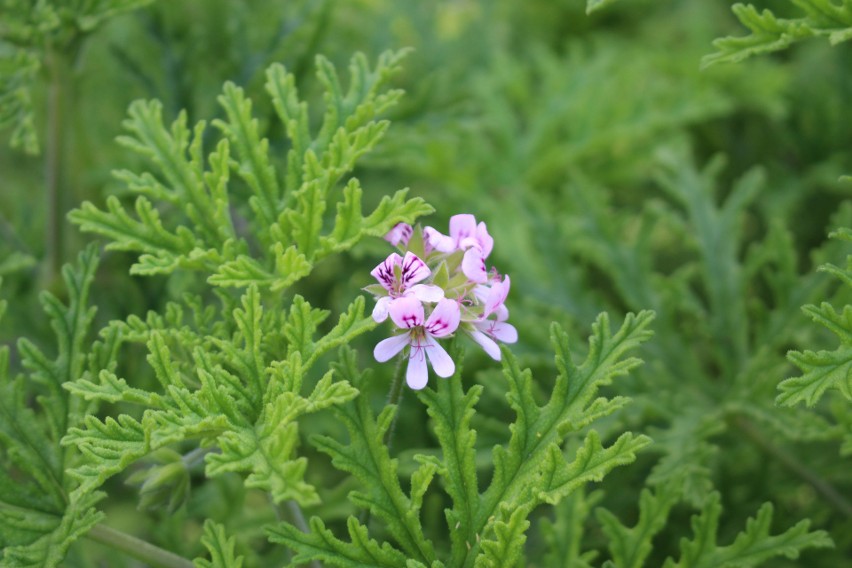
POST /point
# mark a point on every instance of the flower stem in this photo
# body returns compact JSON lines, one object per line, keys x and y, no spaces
{"x":825,"y":489}
{"x":290,"y":508}
{"x":56,"y":66}
{"x":395,"y":397}
{"x":137,"y":548}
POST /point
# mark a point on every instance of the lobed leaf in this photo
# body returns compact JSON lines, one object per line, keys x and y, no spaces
{"x":751,"y":547}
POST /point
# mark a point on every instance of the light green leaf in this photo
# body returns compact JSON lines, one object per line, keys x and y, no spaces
{"x":221,"y":548}
{"x":770,"y":33}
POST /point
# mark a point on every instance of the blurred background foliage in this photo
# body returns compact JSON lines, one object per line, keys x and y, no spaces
{"x":613,"y":173}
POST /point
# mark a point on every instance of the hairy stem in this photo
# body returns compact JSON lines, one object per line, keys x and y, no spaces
{"x":394,"y":397}
{"x":137,"y":548}
{"x":825,"y":489}
{"x":297,"y":518}
{"x":56,"y":66}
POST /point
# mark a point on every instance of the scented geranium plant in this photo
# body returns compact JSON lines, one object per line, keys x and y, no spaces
{"x":251,"y":418}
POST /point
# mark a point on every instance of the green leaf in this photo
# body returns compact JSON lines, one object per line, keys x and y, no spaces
{"x":221,"y":548}
{"x":564,"y":537}
{"x":824,"y":370}
{"x":18,"y":72}
{"x":451,"y":410}
{"x":770,"y":33}
{"x":254,"y":165}
{"x":49,"y":550}
{"x":753,"y":546}
{"x":630,"y":546}
{"x":320,"y":544}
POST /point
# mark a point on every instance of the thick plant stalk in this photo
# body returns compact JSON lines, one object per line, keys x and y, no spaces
{"x":137,"y":548}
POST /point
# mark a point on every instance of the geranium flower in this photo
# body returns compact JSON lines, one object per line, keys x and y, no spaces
{"x":398,"y":277}
{"x":467,"y":236}
{"x":484,"y":329}
{"x":407,"y":313}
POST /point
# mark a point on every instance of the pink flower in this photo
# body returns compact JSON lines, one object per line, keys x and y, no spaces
{"x":408,"y":314}
{"x":398,"y":276}
{"x":400,"y":233}
{"x":467,"y":236}
{"x":485,"y":329}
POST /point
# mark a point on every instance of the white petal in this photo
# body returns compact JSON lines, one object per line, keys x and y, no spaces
{"x":380,"y":312}
{"x":441,"y":361}
{"x":389,"y":347}
{"x":439,"y":241}
{"x":426,"y":292}
{"x":444,"y":319}
{"x":487,"y":344}
{"x":417,"y":375}
{"x":413,"y":270}
{"x":406,"y":312}
{"x":473,"y":266}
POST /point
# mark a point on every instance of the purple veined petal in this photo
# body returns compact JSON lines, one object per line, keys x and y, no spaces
{"x":426,"y":292}
{"x":487,"y":344}
{"x":384,"y":271}
{"x":413,"y":270}
{"x":461,"y":227}
{"x":406,"y":312}
{"x":417,"y":375}
{"x":439,"y":241}
{"x":380,"y":312}
{"x":442,"y":363}
{"x":499,"y":330}
{"x":400,"y":233}
{"x":387,"y":348}
{"x":444,"y":319}
{"x":473,"y":266}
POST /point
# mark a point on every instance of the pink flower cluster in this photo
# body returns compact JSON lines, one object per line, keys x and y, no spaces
{"x":440,"y":286}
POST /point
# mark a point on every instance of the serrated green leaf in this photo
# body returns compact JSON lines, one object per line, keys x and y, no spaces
{"x":752,"y":546}
{"x":630,"y":546}
{"x":320,"y":544}
{"x":367,"y":458}
{"x":770,"y":33}
{"x":220,"y":546}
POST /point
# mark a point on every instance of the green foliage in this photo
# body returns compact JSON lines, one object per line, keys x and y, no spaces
{"x":532,"y":469}
{"x":752,"y":546}
{"x":31,"y":34}
{"x":824,"y":370}
{"x":221,"y":548}
{"x":614,"y":176}
{"x":285,"y":218}
{"x":41,"y":513}
{"x":225,"y":392}
{"x":770,"y":33}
